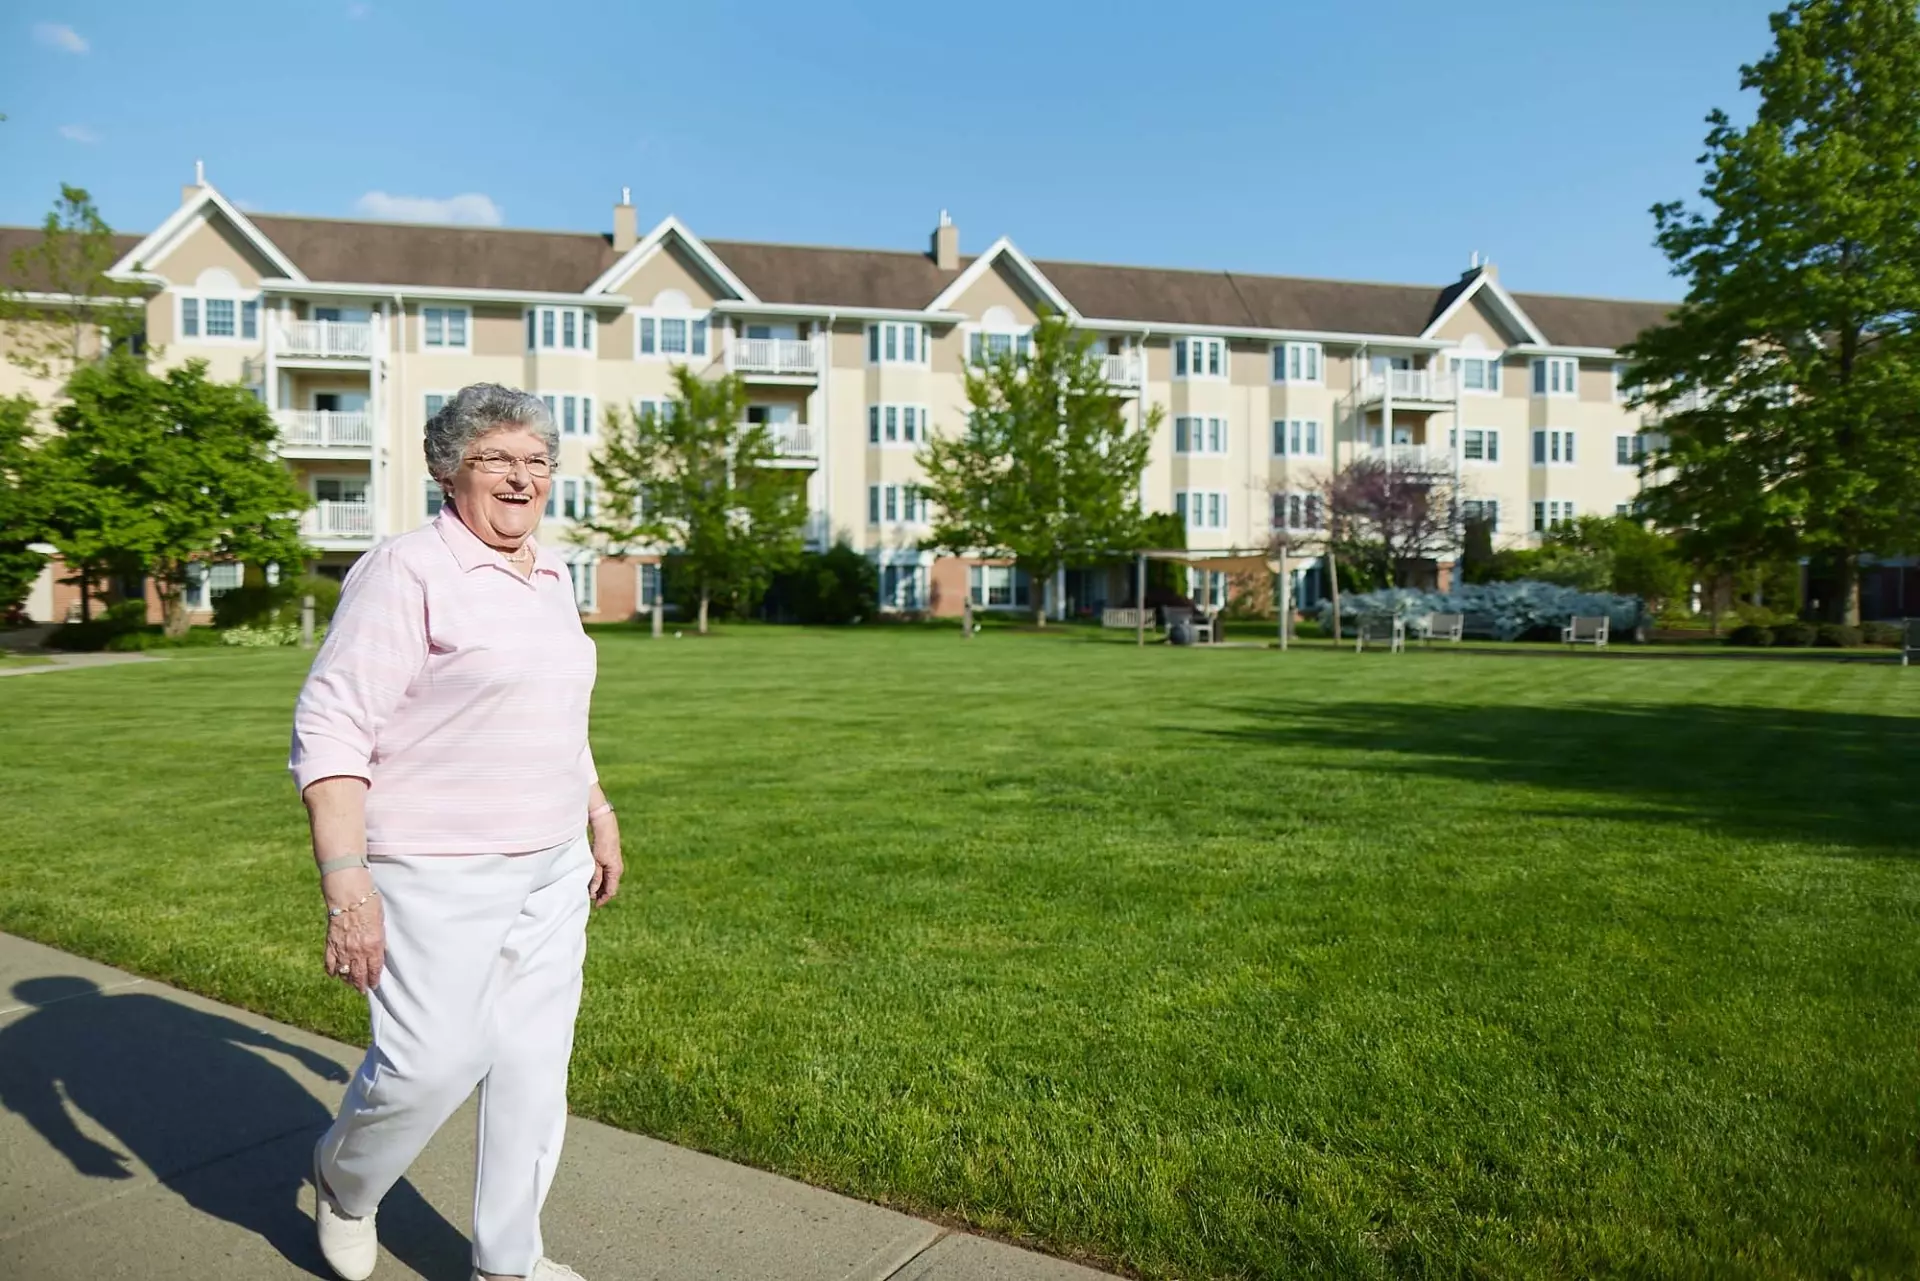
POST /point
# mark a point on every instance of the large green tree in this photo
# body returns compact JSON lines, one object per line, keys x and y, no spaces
{"x":57,"y":303}
{"x":699,"y":480}
{"x":167,"y":472}
{"x":1790,"y":376}
{"x":25,"y":503}
{"x":1048,"y":468}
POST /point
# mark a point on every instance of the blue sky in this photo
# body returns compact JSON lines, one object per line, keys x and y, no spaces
{"x":1383,"y":142}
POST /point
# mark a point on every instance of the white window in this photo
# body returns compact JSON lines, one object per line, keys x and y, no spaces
{"x":218,"y":310}
{"x":1201,"y":508}
{"x":896,"y":426}
{"x":1623,"y":509}
{"x":443,"y":327}
{"x":1556,"y":376}
{"x":559,"y":329}
{"x":573,"y":415}
{"x":1619,"y":384}
{"x":435,"y":402}
{"x":1480,"y":445}
{"x":1296,"y":437}
{"x":1200,"y":436}
{"x":1628,"y":451}
{"x":1199,"y":358}
{"x":436,"y":498}
{"x":1478,"y":375}
{"x":1486,"y":509}
{"x":583,"y":574}
{"x":1297,"y":511}
{"x":1207,"y":588}
{"x":1296,"y":362}
{"x":1552,"y":447}
{"x":999,"y":586}
{"x":671,"y":328}
{"x":571,"y":498}
{"x":1551,"y":514}
{"x":896,"y":505}
{"x":648,"y":587}
{"x":903,"y":587}
{"x":896,"y":342}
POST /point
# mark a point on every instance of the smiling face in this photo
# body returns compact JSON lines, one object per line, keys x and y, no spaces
{"x":502,"y":510}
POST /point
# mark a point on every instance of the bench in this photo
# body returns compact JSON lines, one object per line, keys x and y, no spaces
{"x":1442,"y":627}
{"x":1200,"y":627}
{"x":1382,"y":629}
{"x":1586,"y":629}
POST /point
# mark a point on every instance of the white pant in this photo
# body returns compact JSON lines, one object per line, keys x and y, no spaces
{"x":481,"y":985}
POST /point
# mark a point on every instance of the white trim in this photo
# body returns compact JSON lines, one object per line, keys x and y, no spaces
{"x":464,"y":348}
{"x":1226,"y":359}
{"x":693,"y":318}
{"x":1280,"y":358}
{"x":810,"y":311}
{"x":874,"y":351}
{"x":182,"y":222}
{"x":984,"y":263}
{"x":1285,"y":429}
{"x":908,"y":497}
{"x":587,"y":403}
{"x":1487,"y":458}
{"x":651,"y":243}
{"x":877,"y":437}
{"x":1516,"y":314}
{"x":1541,"y":455}
{"x":1542,"y":388}
{"x":590,"y":562}
{"x":1212,"y":430}
{"x":446,"y":293}
{"x":1551,"y":349}
{"x":239,"y":297}
{"x":1159,"y":328}
{"x":586,"y":329}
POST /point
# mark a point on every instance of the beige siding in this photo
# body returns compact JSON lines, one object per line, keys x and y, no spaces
{"x":499,"y":331}
{"x":1000,"y":286}
{"x":1477,"y":319}
{"x":214,"y":244}
{"x":669,"y":268}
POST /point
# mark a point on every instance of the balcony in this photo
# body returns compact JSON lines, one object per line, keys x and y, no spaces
{"x":794,"y":444}
{"x":324,"y":432}
{"x":333,"y":521}
{"x":1123,"y":369}
{"x":324,"y":340}
{"x":772,"y":357}
{"x":1422,"y":458}
{"x":817,"y":533}
{"x":1431,"y":386}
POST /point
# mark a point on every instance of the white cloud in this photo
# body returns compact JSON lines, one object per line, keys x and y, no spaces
{"x":58,"y":35}
{"x":80,"y":134}
{"x":468,"y":207}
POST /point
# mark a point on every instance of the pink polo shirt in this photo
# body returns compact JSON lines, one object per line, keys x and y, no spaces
{"x":459,"y":691}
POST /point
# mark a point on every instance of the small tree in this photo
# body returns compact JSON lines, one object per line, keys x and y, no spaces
{"x":60,"y":306}
{"x":1792,"y":371}
{"x":698,"y":478}
{"x":1048,"y":468}
{"x":168,"y":472}
{"x":25,"y":494}
{"x":1389,"y":517}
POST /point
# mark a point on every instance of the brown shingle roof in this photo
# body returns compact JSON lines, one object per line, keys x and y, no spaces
{"x":13,"y":239}
{"x":389,"y":253}
{"x":567,"y":262}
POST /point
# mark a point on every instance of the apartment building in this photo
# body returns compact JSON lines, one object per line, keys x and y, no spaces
{"x":353,"y":332}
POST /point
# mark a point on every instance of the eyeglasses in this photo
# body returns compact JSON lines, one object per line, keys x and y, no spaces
{"x":500,"y":464}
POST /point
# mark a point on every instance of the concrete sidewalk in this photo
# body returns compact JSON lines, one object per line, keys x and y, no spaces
{"x":149,"y":1134}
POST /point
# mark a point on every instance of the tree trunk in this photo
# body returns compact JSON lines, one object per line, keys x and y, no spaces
{"x":704,"y":597}
{"x":1849,"y":577}
{"x":86,"y":598}
{"x":175,"y":613}
{"x":1333,"y":588}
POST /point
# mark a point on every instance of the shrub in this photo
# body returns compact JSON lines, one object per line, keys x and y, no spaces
{"x":121,"y":618}
{"x":1837,"y":636}
{"x":263,"y":606}
{"x":1517,"y":609}
{"x":271,"y":636}
{"x":147,"y":638}
{"x":1793,"y":634}
{"x":1887,"y":634}
{"x":832,"y":587}
{"x":1751,"y":636}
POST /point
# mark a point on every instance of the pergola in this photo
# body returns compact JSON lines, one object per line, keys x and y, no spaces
{"x":1274,"y":560}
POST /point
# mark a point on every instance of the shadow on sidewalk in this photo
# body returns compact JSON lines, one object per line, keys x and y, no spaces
{"x":180,"y":1089}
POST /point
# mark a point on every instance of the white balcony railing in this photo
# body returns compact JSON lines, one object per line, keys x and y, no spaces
{"x":1122,"y":369}
{"x":330,"y":518}
{"x":795,"y":440}
{"x":785,"y":356}
{"x":324,"y":429}
{"x":1411,"y":457}
{"x":818,"y":531}
{"x":326,"y":339}
{"x":1410,"y":384}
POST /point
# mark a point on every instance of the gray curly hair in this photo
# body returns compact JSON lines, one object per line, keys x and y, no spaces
{"x":473,"y":412}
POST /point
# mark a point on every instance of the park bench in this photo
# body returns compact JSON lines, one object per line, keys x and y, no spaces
{"x":1909,"y":641}
{"x":1442,"y":627}
{"x":1479,"y":626}
{"x":1586,"y":629}
{"x":1200,"y":627}
{"x":1382,"y":629}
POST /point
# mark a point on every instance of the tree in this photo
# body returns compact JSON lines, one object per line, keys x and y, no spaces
{"x":1789,"y":376}
{"x":61,"y":307}
{"x":1385,"y":517}
{"x":169,"y":473}
{"x":697,"y":477}
{"x":25,"y":497}
{"x":1048,"y":469}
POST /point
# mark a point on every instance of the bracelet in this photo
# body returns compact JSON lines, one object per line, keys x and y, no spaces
{"x":362,"y":901}
{"x":598,"y":811}
{"x":328,"y":866}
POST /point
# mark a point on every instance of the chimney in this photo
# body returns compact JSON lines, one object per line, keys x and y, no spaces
{"x":192,"y":189}
{"x":946,"y":244}
{"x":626,"y":224}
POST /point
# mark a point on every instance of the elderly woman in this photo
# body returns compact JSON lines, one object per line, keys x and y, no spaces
{"x":440,"y":746}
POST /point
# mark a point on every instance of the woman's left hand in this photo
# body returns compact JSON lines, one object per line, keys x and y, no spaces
{"x":603,"y":836}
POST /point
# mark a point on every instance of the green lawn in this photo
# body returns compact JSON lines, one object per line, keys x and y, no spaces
{"x":1201,"y":964}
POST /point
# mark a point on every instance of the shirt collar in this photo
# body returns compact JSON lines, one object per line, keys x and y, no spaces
{"x":471,"y":554}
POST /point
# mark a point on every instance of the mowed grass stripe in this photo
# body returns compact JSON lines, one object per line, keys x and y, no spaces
{"x":1230,"y":964}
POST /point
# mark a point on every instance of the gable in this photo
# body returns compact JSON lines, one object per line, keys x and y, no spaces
{"x":1000,"y":286}
{"x":1478,"y":319}
{"x":214,"y":243}
{"x":672,"y":267}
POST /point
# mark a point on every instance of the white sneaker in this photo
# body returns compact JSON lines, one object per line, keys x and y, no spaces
{"x":546,"y":1270}
{"x":350,"y":1246}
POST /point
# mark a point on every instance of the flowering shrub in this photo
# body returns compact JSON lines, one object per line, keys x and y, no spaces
{"x":1506,"y":610}
{"x":267,"y":637}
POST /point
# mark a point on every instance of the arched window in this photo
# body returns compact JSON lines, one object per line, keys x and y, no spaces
{"x":218,"y":310}
{"x":670,"y":328}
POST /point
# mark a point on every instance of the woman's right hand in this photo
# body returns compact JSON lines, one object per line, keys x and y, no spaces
{"x":356,"y":939}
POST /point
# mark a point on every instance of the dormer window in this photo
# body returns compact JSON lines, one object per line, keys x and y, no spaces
{"x":670,"y":329}
{"x":998,"y":334}
{"x":217,"y":309}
